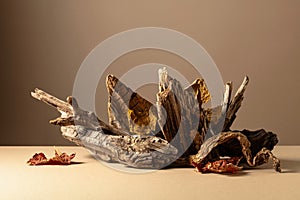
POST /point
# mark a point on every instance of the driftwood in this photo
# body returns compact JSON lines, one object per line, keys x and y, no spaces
{"x":104,"y":141}
{"x":177,"y":131}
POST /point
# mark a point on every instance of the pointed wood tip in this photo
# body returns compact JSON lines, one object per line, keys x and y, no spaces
{"x":246,"y":80}
{"x":35,"y":93}
{"x":110,"y":78}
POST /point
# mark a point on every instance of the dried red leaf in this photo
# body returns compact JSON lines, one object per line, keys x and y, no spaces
{"x":220,"y":166}
{"x":58,"y":159}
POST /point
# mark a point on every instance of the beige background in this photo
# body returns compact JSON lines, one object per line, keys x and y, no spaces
{"x":44,"y":42}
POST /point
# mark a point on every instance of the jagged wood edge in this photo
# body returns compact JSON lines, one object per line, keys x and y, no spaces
{"x":129,"y":111}
{"x":185,"y":131}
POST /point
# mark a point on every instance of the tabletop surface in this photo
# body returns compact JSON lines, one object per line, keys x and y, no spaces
{"x":87,"y":178}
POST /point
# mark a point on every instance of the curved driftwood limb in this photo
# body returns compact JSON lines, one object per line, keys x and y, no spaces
{"x":139,"y":152}
{"x":237,"y":144}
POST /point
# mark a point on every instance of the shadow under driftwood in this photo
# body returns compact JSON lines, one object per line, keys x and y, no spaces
{"x":77,"y":163}
{"x":290,"y":166}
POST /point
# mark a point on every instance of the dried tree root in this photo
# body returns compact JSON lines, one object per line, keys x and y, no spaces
{"x":142,"y":135}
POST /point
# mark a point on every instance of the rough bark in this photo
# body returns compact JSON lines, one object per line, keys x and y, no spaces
{"x":106,"y":142}
{"x":139,"y":152}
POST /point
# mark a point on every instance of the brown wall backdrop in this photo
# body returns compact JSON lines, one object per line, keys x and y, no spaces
{"x":44,"y":42}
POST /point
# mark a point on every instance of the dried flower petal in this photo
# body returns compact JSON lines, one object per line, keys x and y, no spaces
{"x":58,"y":159}
{"x":220,"y":166}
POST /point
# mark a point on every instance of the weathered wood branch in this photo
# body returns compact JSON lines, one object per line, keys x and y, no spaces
{"x":71,"y":114}
{"x":105,"y":141}
{"x":63,"y":107}
{"x":235,"y":105}
{"x":139,"y":152}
